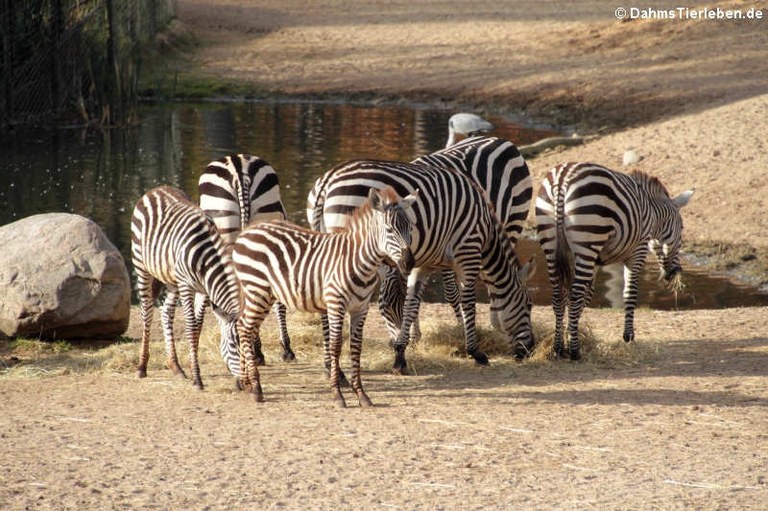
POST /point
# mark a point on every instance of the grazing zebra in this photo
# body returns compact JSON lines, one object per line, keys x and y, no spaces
{"x":589,"y":216}
{"x":176,"y":246}
{"x":333,"y":274}
{"x":498,"y":167}
{"x":455,"y":228}
{"x":235,"y":191}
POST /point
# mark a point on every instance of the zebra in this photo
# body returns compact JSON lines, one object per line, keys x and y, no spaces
{"x":589,"y":216}
{"x":501,"y":171}
{"x":235,"y":191}
{"x":455,"y":228}
{"x":333,"y":274}
{"x":176,"y":246}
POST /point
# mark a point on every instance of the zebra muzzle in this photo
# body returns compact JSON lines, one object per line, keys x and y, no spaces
{"x":406,"y":262}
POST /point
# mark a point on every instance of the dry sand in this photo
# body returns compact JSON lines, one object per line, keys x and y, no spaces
{"x":682,"y":425}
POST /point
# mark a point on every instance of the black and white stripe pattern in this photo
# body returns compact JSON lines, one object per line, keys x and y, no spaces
{"x":333,"y":274}
{"x":455,"y":229}
{"x":589,"y":216}
{"x":235,"y":191}
{"x":500,"y":170}
{"x":176,"y":246}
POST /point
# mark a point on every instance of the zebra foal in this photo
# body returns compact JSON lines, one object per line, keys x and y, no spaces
{"x":589,"y":216}
{"x":235,"y":191}
{"x":333,"y":274}
{"x":176,"y":246}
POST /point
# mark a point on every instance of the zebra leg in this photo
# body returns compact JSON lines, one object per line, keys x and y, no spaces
{"x":410,"y":311}
{"x":580,"y":290}
{"x":452,"y":294}
{"x":248,"y":324}
{"x":166,"y":319}
{"x":343,"y":381}
{"x":470,"y":330}
{"x":631,"y":277}
{"x":356,"y":323}
{"x":144,"y":287}
{"x":201,"y":302}
{"x":285,"y":340}
{"x":192,"y":329}
{"x":559,"y":300}
{"x":335,"y":325}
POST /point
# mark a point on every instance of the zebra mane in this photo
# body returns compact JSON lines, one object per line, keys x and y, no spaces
{"x":651,"y":184}
{"x":387,"y":193}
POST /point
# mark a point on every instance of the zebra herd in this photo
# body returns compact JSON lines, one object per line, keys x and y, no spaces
{"x":389,"y":225}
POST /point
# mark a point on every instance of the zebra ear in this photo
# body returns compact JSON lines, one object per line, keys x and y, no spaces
{"x":682,"y":199}
{"x":375,"y":199}
{"x":407,"y":204}
{"x":528,"y":270}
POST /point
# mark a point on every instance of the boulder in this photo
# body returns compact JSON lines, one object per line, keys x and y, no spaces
{"x":61,"y":278}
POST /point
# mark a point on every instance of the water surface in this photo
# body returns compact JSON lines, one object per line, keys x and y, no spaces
{"x":101,"y":173}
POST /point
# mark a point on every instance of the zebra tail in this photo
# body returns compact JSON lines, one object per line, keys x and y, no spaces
{"x":563,"y":255}
{"x":316,"y":222}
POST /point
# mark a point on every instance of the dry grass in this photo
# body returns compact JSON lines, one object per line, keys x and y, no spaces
{"x":441,"y":350}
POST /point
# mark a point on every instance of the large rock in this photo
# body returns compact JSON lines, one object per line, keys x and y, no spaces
{"x":61,"y":278}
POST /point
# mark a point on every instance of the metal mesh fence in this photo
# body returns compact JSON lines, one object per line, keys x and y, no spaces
{"x":74,"y":61}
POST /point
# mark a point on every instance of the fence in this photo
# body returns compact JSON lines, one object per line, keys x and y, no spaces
{"x":74,"y":61}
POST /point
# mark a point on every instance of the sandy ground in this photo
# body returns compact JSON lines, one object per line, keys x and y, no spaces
{"x":682,"y":427}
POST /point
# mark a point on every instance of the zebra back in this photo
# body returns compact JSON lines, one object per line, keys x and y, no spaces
{"x":176,"y":243}
{"x":301,"y":267}
{"x":238,"y":189}
{"x":499,"y":169}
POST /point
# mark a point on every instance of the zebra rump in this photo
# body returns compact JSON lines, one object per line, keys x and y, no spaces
{"x":235,"y":191}
{"x":238,"y":189}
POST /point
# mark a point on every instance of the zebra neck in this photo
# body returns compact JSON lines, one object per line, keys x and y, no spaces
{"x":363,"y":238}
{"x":220,"y":285}
{"x":499,"y":261}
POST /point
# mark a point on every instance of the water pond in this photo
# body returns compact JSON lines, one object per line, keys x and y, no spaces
{"x":101,"y":173}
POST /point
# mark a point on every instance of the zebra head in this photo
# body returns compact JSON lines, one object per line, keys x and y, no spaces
{"x":396,"y":217}
{"x":511,"y":309}
{"x":666,"y":245}
{"x":229,"y":344}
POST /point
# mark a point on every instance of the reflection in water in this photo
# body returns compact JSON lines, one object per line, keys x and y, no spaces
{"x":100,"y":174}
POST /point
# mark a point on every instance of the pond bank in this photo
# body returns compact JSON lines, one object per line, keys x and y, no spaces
{"x":688,"y":95}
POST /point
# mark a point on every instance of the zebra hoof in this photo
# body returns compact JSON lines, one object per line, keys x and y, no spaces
{"x":629,"y":337}
{"x":400,"y":366}
{"x":338,"y":399}
{"x":239,"y":385}
{"x":260,"y":359}
{"x":481,"y":358}
{"x":258,"y":396}
{"x":365,"y":401}
{"x":198,"y":385}
{"x":575,"y":355}
{"x":288,"y":356}
{"x":141,"y":373}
